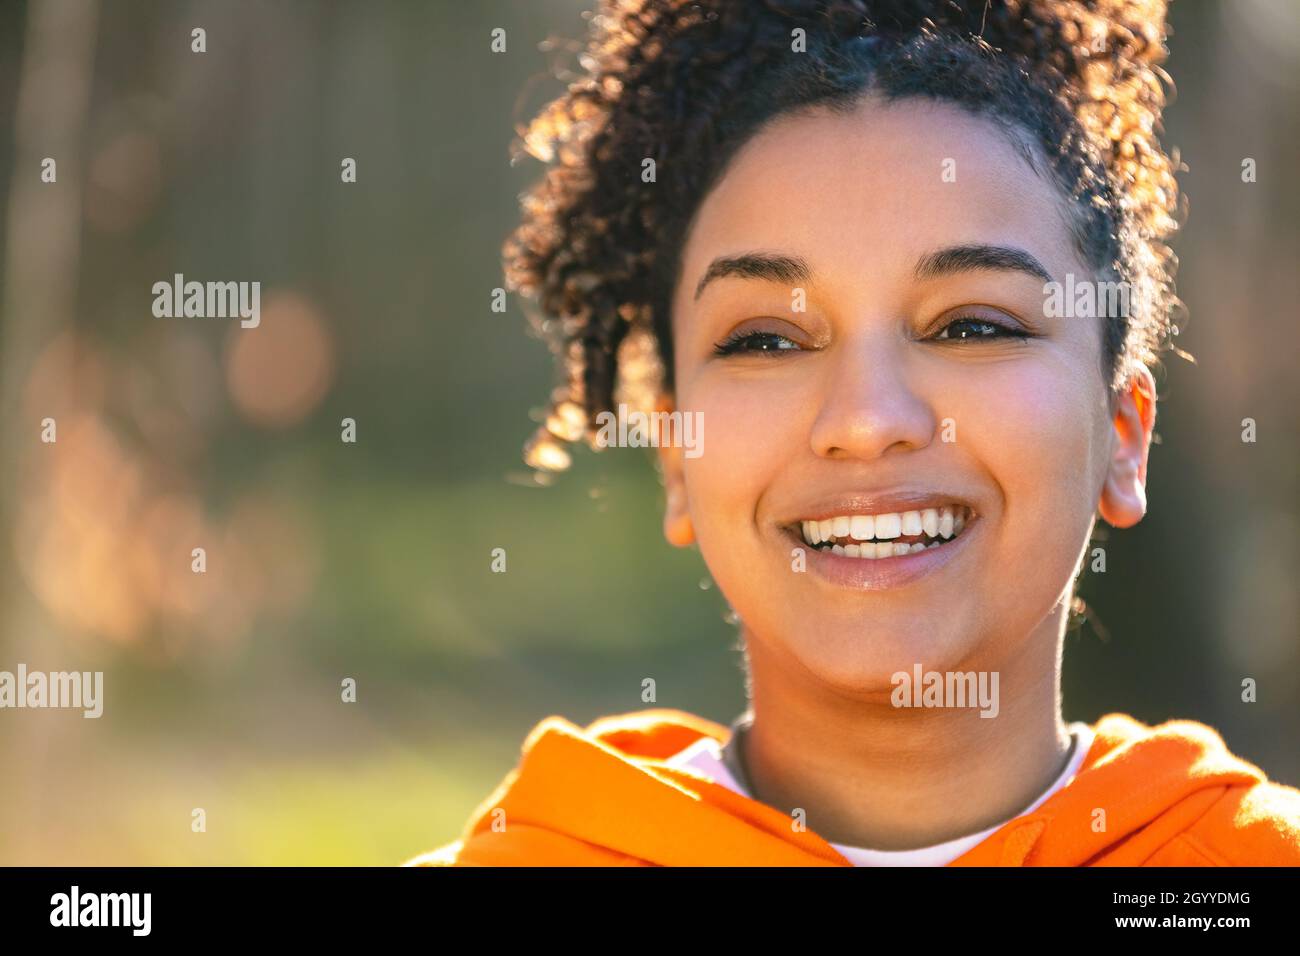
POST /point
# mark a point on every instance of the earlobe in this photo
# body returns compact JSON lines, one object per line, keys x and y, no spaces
{"x":1123,"y":496}
{"x":677,"y":520}
{"x":678,"y":528}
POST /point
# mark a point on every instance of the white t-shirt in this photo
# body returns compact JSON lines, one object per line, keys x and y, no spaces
{"x":705,"y":756}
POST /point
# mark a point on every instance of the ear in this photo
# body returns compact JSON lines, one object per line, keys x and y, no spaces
{"x":677,"y":512}
{"x":1124,"y":495}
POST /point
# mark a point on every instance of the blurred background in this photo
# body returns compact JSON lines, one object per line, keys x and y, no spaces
{"x":328,"y":560}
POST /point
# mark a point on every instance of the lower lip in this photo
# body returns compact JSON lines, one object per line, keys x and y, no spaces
{"x":879,"y":574}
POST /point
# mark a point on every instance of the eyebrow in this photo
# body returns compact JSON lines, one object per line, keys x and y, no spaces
{"x":976,"y":258}
{"x":951,"y":260}
{"x":769,"y":266}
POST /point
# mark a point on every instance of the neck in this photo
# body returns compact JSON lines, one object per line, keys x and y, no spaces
{"x":870,"y":774}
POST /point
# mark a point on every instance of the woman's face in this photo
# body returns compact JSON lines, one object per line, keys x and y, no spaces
{"x":882,"y":371}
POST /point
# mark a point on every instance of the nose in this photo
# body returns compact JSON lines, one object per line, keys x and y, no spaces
{"x":870,"y":404}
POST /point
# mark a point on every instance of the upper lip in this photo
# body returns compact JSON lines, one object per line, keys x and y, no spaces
{"x":877,"y":503}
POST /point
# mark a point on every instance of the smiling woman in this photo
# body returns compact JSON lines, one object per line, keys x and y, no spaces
{"x":845,"y":262}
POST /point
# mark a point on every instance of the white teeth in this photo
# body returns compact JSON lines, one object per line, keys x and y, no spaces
{"x":888,"y":526}
{"x":872,"y":536}
{"x":945,"y":523}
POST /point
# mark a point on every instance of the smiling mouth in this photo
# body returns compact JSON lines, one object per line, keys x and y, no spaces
{"x":887,"y":535}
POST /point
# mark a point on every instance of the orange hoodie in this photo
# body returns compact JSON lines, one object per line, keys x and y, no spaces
{"x":1173,"y":796}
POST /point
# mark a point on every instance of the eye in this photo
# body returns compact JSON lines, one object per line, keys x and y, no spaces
{"x":977,"y":327}
{"x":755,"y":342}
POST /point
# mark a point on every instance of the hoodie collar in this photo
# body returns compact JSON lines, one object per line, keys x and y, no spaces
{"x":1132,"y":776}
{"x":607,"y":785}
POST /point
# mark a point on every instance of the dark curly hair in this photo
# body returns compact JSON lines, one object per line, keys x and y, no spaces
{"x":1076,"y":83}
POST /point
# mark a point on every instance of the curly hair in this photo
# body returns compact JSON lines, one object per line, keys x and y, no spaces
{"x":687,"y":82}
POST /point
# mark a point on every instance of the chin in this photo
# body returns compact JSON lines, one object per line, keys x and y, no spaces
{"x":862,"y":658}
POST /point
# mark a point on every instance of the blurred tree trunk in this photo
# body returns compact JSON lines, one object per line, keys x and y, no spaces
{"x":41,"y":269}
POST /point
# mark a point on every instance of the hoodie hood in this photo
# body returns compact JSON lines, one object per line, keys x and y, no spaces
{"x":604,"y":796}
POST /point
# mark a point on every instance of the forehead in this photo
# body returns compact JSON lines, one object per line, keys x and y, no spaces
{"x":875,"y":188}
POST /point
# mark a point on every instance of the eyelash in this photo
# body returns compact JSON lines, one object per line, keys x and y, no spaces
{"x":736,"y":342}
{"x":1003,"y":331}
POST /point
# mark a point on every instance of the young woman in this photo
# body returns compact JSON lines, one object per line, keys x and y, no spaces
{"x":874,"y":247}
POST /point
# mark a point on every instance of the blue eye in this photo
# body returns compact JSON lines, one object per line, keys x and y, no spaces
{"x":972,"y":328}
{"x":755,"y":342}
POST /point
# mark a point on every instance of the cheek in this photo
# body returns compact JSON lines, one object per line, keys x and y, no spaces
{"x":1035,"y":427}
{"x":751,"y":432}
